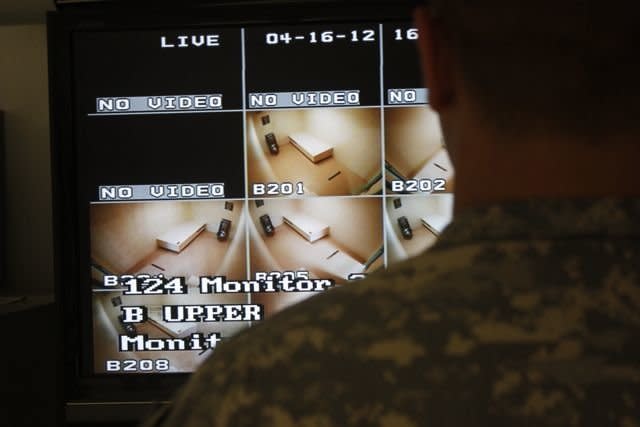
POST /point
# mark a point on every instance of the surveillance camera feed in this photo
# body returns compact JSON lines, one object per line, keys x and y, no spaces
{"x":229,"y":173}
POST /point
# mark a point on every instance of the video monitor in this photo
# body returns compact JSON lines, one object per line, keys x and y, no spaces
{"x":217,"y":174}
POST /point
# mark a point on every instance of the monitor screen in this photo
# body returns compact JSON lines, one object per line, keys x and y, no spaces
{"x":222,"y":173}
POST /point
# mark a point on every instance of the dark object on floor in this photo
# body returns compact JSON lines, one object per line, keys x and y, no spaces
{"x":267,"y":226}
{"x":405,"y":228}
{"x":223,"y":230}
{"x":270,"y":138}
{"x":129,"y":328}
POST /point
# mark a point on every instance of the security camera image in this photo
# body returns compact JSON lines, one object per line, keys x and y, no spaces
{"x":338,"y":238}
{"x":321,"y":151}
{"x":185,"y":239}
{"x":415,"y":151}
{"x":413,"y":223}
{"x":155,"y":331}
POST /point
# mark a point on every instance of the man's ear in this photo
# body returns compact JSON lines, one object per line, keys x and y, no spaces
{"x":436,"y":60}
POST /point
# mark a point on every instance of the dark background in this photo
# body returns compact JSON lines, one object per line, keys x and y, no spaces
{"x":402,"y":67}
{"x":158,"y":148}
{"x":132,"y":63}
{"x":161,"y":149}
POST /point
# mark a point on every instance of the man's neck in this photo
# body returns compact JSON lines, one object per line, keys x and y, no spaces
{"x":548,"y":168}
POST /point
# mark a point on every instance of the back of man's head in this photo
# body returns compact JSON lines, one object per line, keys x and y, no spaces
{"x":568,"y":66}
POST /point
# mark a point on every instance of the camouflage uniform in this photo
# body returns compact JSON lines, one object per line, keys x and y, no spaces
{"x":525,"y":314}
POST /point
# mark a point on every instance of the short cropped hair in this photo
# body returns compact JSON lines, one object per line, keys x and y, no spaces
{"x":567,"y":65}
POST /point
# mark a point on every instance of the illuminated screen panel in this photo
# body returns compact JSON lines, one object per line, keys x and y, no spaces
{"x":228,"y":173}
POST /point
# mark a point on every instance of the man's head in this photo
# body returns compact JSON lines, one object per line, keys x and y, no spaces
{"x":558,"y":65}
{"x":537,"y":98}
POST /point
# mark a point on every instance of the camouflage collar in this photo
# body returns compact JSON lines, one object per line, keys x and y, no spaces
{"x":545,"y":219}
